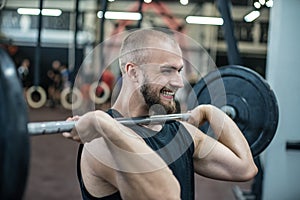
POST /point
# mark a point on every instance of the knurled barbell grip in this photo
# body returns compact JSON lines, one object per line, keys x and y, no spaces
{"x":53,"y":127}
{"x":41,"y":128}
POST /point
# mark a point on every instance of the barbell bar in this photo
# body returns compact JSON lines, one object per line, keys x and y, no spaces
{"x":53,"y":127}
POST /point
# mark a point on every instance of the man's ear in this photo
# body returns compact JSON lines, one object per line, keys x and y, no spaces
{"x":131,"y":71}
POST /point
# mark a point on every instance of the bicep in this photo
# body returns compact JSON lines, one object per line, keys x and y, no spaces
{"x":212,"y":159}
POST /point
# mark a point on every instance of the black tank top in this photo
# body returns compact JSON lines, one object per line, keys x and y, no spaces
{"x":175,"y":146}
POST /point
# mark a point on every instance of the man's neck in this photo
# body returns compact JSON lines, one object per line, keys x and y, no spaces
{"x":124,"y":113}
{"x":130,"y":104}
{"x":128,"y":110}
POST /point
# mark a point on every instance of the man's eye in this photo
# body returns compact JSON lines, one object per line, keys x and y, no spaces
{"x":166,"y":71}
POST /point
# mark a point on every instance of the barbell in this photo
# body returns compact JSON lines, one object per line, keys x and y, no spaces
{"x":249,"y":101}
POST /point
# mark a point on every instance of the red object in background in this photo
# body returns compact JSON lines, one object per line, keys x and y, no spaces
{"x":99,"y":91}
{"x":109,"y":78}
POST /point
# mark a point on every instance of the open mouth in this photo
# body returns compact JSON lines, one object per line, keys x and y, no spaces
{"x":167,"y":93}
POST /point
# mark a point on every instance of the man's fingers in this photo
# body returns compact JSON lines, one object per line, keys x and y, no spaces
{"x":73,"y":134}
{"x":72,"y":137}
{"x":67,"y":135}
{"x":74,"y":118}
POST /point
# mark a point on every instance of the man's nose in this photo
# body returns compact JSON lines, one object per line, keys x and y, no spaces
{"x":177,"y":81}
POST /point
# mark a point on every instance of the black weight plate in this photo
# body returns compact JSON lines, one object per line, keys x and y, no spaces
{"x":251,"y":96}
{"x":14,"y":140}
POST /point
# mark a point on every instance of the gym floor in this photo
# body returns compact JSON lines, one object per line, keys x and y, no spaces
{"x":52,"y":173}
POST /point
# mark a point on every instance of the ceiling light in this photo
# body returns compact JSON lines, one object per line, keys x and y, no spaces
{"x":257,"y":5}
{"x":252,"y":16}
{"x":36,"y":11}
{"x":204,"y":20}
{"x":269,"y":3}
{"x":51,"y":12}
{"x":184,"y":2}
{"x":28,"y":11}
{"x":147,"y":1}
{"x":120,"y":15}
{"x":262,"y":2}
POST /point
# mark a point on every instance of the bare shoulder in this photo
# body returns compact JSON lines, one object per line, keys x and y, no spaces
{"x":97,"y":169}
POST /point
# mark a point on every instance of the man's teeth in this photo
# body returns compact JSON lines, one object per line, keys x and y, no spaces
{"x":168,"y":93}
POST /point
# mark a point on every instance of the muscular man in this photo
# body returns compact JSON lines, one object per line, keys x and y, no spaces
{"x":155,"y":161}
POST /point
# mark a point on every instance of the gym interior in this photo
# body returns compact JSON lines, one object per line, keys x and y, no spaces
{"x":50,"y":42}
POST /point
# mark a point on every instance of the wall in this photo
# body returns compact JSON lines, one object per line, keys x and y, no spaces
{"x":282,"y":175}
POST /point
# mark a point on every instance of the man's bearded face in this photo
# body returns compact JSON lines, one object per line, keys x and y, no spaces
{"x":151,"y":96}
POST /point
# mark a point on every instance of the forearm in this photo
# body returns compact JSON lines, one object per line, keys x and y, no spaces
{"x":130,"y":152}
{"x":227,"y":132}
{"x":122,"y":141}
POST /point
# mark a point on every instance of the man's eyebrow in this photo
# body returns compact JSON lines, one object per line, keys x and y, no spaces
{"x":171,"y":67}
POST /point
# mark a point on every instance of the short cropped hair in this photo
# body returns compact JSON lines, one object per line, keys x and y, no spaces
{"x":137,"y":46}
